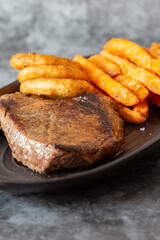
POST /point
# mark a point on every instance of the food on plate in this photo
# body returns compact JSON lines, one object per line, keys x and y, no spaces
{"x":22,"y":60}
{"x":47,"y":135}
{"x":77,"y":123}
{"x":51,"y":71}
{"x":138,"y":114}
{"x":124,"y":71}
{"x":56,"y":87}
{"x":106,"y":65}
{"x":63,"y":117}
{"x":154,"y":99}
{"x":135,"y":86}
{"x":150,"y":80}
{"x":134,"y":53}
{"x":113,"y":88}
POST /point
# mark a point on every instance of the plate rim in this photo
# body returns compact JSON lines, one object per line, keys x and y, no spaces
{"x":89,"y":171}
{"x":5,"y":184}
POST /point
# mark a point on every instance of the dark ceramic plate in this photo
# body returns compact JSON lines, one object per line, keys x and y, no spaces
{"x":17,"y":178}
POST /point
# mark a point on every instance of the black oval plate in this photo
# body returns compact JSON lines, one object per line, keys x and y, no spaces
{"x":17,"y":178}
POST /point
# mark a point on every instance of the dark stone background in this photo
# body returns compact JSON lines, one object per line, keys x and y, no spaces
{"x":124,"y":206}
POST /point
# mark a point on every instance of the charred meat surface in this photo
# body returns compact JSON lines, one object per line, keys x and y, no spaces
{"x":47,"y":135}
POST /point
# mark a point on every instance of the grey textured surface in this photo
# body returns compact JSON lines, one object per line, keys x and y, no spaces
{"x":125,"y":206}
{"x":65,"y":28}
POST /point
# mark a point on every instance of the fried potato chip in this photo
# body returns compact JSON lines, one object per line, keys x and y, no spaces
{"x":135,"y":86}
{"x":106,"y":83}
{"x":56,"y":87}
{"x":22,"y":60}
{"x":138,"y":114}
{"x":150,"y":80}
{"x":50,"y":71}
{"x":154,"y":99}
{"x":105,"y":64}
{"x":134,"y":53}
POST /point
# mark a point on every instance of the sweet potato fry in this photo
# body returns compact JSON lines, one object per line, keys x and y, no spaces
{"x":106,"y":83}
{"x":142,"y":108}
{"x":22,"y":60}
{"x":50,"y":71}
{"x":56,"y":87}
{"x":154,"y":99}
{"x":135,"y":86}
{"x":155,"y":45}
{"x":150,"y":80}
{"x":138,"y":114}
{"x":106,"y":65}
{"x":154,"y":51}
{"x":134,"y":53}
{"x":151,"y":52}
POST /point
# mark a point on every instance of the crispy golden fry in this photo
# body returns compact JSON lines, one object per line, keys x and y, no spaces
{"x":56,"y":87}
{"x":156,"y":48}
{"x":155,"y":45}
{"x":135,"y":86}
{"x":106,"y":65}
{"x":50,"y":71}
{"x":134,"y":53}
{"x":106,"y":83}
{"x":142,"y":108}
{"x":22,"y":60}
{"x":138,"y":114}
{"x":151,"y":52}
{"x":154,"y":51}
{"x":150,"y":80}
{"x":154,"y":99}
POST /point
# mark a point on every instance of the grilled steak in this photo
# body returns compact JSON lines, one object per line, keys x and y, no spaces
{"x":47,"y":135}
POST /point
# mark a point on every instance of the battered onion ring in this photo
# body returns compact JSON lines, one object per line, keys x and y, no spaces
{"x":50,"y":71}
{"x":22,"y":60}
{"x":138,"y":114}
{"x":56,"y":87}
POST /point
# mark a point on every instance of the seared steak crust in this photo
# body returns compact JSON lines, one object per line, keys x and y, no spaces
{"x":46,"y":134}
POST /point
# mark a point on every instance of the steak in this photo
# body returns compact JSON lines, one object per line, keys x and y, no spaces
{"x":52,"y":134}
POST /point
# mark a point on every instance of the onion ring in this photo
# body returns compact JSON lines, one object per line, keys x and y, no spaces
{"x":22,"y":60}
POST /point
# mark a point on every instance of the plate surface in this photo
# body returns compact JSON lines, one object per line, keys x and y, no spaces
{"x":17,"y":178}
